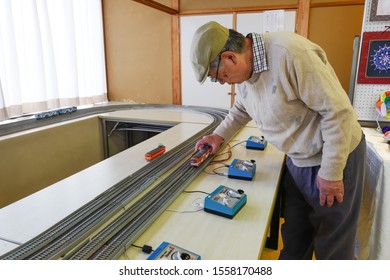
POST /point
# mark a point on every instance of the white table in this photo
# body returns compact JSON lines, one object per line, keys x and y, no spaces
{"x":374,"y":227}
{"x":26,"y":218}
{"x":211,"y":236}
{"x":214,"y":237}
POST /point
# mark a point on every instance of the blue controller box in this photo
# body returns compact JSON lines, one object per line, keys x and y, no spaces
{"x":225,"y":202}
{"x":169,"y":251}
{"x":242,"y":169}
{"x":256,"y":143}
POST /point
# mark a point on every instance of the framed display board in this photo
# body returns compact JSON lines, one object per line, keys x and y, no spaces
{"x":373,"y":69}
{"x":380,"y":10}
{"x":374,"y":65}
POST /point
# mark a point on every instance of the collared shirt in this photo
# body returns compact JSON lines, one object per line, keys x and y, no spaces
{"x":259,"y":58}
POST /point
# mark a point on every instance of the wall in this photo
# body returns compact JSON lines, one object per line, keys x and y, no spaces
{"x":334,"y":29}
{"x":216,"y":4}
{"x":333,"y":25}
{"x":138,"y":42}
{"x":34,"y":160}
{"x":138,"y":52}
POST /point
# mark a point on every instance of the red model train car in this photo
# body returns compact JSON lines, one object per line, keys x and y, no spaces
{"x":200,"y":155}
{"x":155,"y":153}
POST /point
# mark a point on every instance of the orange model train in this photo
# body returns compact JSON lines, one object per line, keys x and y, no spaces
{"x":200,"y":156}
{"x":155,"y":152}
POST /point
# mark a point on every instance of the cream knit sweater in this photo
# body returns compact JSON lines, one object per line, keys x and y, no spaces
{"x":299,"y":106}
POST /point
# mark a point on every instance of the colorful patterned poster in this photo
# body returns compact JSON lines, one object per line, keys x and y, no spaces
{"x":375,"y":58}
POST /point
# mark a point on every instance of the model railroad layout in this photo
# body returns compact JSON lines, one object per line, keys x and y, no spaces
{"x":106,"y":226}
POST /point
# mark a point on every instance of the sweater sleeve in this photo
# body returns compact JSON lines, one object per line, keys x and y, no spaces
{"x":234,"y":121}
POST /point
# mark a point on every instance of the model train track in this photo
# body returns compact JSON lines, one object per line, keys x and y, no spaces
{"x":111,"y":242}
{"x":30,"y":122}
{"x":71,"y":237}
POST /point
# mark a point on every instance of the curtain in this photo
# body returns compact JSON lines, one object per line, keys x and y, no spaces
{"x":51,"y":55}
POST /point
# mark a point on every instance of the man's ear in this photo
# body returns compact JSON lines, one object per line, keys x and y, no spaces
{"x":229,"y":56}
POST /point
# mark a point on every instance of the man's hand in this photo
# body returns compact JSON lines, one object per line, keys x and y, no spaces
{"x":213,"y":140}
{"x":329,"y":191}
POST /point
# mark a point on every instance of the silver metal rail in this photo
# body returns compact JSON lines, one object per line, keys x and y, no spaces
{"x":69,"y":239}
{"x":112,"y":241}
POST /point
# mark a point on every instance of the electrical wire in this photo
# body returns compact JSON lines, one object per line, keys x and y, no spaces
{"x":146,"y":248}
{"x":194,"y":203}
{"x":196,"y":192}
{"x":185,"y":211}
{"x":219,"y":173}
{"x":228,"y":152}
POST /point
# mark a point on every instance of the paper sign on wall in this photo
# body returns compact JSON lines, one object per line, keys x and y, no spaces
{"x":273,"y":21}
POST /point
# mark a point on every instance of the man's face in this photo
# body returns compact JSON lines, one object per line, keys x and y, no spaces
{"x":229,"y":70}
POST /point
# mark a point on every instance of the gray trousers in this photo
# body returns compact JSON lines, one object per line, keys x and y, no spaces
{"x":308,"y":226}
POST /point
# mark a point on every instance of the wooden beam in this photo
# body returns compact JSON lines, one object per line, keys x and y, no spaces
{"x":239,"y":10}
{"x":303,"y":17}
{"x":158,"y":6}
{"x":233,"y":86}
{"x":334,"y":4}
{"x":175,"y":46}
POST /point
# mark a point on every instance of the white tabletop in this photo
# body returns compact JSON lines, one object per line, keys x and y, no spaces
{"x":159,"y":115}
{"x":24,"y":219}
{"x":211,"y":236}
{"x":374,"y":227}
{"x":215,"y":237}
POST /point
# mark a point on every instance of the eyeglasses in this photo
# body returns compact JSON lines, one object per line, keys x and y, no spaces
{"x":215,"y":79}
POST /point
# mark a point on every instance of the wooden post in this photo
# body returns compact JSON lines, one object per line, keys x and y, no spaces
{"x":303,"y":17}
{"x":175,"y":42}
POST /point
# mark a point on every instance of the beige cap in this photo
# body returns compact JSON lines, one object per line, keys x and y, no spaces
{"x":207,"y":42}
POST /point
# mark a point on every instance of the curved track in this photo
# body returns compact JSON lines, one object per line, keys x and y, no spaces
{"x":71,"y":237}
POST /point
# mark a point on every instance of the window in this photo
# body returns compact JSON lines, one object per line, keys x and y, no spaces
{"x":51,"y":55}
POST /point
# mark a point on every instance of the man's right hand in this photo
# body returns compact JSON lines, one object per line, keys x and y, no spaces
{"x":213,"y":140}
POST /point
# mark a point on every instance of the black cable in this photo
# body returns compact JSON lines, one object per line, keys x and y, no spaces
{"x":146,"y":248}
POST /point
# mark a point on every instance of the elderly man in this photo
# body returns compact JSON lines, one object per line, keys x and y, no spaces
{"x":287,"y":86}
